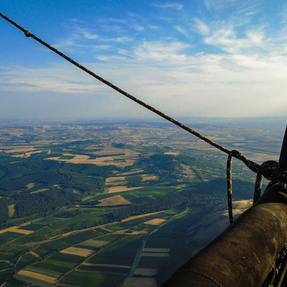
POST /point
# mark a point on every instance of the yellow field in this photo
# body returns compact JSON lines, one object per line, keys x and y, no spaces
{"x":109,"y":151}
{"x":16,"y":229}
{"x":113,"y":160}
{"x":115,"y":179}
{"x":69,"y":233}
{"x":38,"y":276}
{"x":146,"y":177}
{"x":20,"y":231}
{"x":11,"y":210}
{"x":155,"y":221}
{"x":77,"y":158}
{"x":30,"y":185}
{"x":119,"y":161}
{"x":174,"y":153}
{"x":20,"y":149}
{"x":82,"y":252}
{"x":39,"y":190}
{"x":121,"y":188}
{"x":26,"y":154}
{"x":114,"y":201}
{"x":34,"y":254}
{"x":140,"y":216}
{"x":107,"y":265}
{"x":106,"y":229}
{"x":132,"y":172}
{"x":130,"y":232}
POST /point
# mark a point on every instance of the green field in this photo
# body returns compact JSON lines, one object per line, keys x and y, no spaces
{"x":90,"y":279}
{"x":49,"y":200}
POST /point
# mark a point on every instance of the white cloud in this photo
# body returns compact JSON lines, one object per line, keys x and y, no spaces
{"x":182,"y":31}
{"x":57,"y":78}
{"x":101,"y":47}
{"x":138,"y":27}
{"x":86,"y":34}
{"x":246,"y":76}
{"x":201,"y":27}
{"x":77,"y":39}
{"x":242,"y":7}
{"x":200,"y":85}
{"x":226,"y":38}
{"x":120,"y":39}
{"x":169,"y":5}
{"x":255,"y":37}
{"x":82,"y":38}
{"x":161,"y":51}
{"x":238,"y":13}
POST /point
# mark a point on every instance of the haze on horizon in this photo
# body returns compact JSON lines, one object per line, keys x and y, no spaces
{"x":210,"y":58}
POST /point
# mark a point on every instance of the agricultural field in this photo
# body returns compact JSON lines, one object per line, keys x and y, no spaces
{"x":106,"y":204}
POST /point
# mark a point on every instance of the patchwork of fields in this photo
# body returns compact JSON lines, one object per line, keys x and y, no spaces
{"x":111,"y":204}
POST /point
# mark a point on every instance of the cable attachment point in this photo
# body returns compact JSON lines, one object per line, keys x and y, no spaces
{"x":271,"y":170}
{"x":27,"y":33}
{"x":235,"y":153}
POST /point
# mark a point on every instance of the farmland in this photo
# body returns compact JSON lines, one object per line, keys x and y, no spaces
{"x":106,"y":204}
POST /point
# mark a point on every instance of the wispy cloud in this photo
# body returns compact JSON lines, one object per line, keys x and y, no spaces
{"x":169,"y":5}
{"x":202,"y":82}
{"x":208,"y":62}
{"x":86,"y":34}
{"x":57,"y":78}
{"x":227,"y":39}
{"x":138,"y":27}
{"x":120,"y":39}
{"x":161,"y":51}
{"x":81,"y":38}
{"x":218,"y":4}
{"x":238,"y":12}
{"x":77,"y":38}
{"x":201,"y":27}
{"x":182,"y":31}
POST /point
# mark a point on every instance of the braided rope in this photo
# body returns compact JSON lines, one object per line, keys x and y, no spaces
{"x":229,"y":187}
{"x":257,"y":188}
{"x":269,"y":170}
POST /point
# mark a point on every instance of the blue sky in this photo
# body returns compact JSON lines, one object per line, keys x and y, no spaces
{"x":207,"y":58}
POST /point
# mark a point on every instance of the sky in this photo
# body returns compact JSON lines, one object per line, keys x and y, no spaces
{"x":193,"y":58}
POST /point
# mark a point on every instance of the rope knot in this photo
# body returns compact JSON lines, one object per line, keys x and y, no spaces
{"x":235,"y":153}
{"x":27,"y":33}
